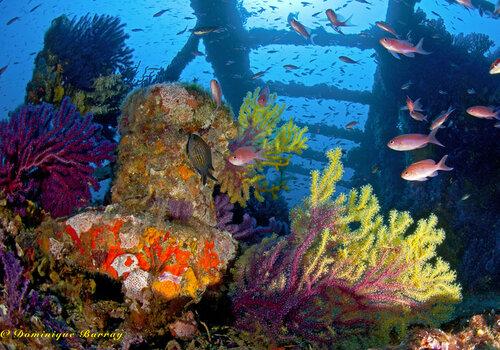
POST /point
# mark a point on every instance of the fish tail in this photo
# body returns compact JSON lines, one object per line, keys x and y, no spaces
{"x":417,"y":105}
{"x":260,"y":155}
{"x":419,"y":48}
{"x":312,"y":38}
{"x":497,"y":113}
{"x":433,"y":139}
{"x":442,"y":165}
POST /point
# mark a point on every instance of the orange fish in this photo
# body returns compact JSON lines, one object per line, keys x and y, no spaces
{"x":441,"y":119}
{"x":301,"y":29}
{"x":386,"y":27}
{"x":422,"y":170}
{"x":495,"y":67}
{"x":263,"y":96}
{"x":245,"y":155}
{"x":466,"y":3}
{"x":413,"y":105}
{"x":484,"y":112}
{"x":336,"y":23}
{"x":409,"y":142}
{"x":216,"y":92}
{"x":404,"y":47}
{"x":351,"y":125}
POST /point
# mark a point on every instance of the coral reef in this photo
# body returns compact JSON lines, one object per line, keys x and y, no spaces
{"x":168,"y":261}
{"x":258,"y":128}
{"x":86,"y":59}
{"x":343,"y":273}
{"x":47,"y":156}
{"x":481,"y":333}
{"x":156,"y":247}
{"x":154,"y":168}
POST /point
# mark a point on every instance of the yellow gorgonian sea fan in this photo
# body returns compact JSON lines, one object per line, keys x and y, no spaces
{"x":345,"y":270}
{"x":258,"y":127}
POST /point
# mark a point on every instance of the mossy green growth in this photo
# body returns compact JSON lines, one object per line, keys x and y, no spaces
{"x":258,"y":127}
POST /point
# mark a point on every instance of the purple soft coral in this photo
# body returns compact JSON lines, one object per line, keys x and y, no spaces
{"x":15,"y":287}
{"x":47,"y":156}
{"x":247,"y":229}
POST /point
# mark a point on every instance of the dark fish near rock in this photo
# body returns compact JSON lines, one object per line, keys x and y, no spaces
{"x":200,"y":156}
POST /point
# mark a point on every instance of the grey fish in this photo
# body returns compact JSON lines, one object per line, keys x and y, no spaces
{"x":206,"y":30}
{"x":200,"y":155}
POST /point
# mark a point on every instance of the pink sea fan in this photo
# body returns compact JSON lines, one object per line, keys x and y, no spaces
{"x":48,"y":156}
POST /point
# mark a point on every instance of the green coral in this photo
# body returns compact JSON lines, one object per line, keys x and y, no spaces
{"x":258,"y":127}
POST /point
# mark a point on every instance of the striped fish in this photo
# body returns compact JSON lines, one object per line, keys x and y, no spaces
{"x":200,"y":155}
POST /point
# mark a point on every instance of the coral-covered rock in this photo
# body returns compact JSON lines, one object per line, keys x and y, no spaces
{"x":154,"y":170}
{"x":159,"y":238}
{"x":163,"y":261}
{"x":479,"y":334}
{"x":184,"y":327}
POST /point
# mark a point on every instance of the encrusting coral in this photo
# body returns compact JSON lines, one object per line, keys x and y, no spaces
{"x":158,"y":240}
{"x":344,"y":272}
{"x":258,"y":128}
{"x":153,"y":166}
{"x":48,"y":155}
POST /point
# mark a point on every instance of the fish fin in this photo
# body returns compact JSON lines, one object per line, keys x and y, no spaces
{"x":260,"y":155}
{"x":434,"y":174}
{"x":433,"y":139}
{"x":419,"y":48}
{"x":422,"y":179}
{"x":442,"y":165}
{"x":404,"y":108}
{"x":312,"y":38}
{"x":409,"y":54}
{"x":394,"y":54}
{"x":417,"y":105}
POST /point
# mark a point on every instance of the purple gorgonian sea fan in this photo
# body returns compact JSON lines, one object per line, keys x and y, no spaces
{"x":48,"y":156}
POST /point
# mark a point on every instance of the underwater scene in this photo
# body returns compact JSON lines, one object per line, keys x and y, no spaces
{"x":250,"y":174}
